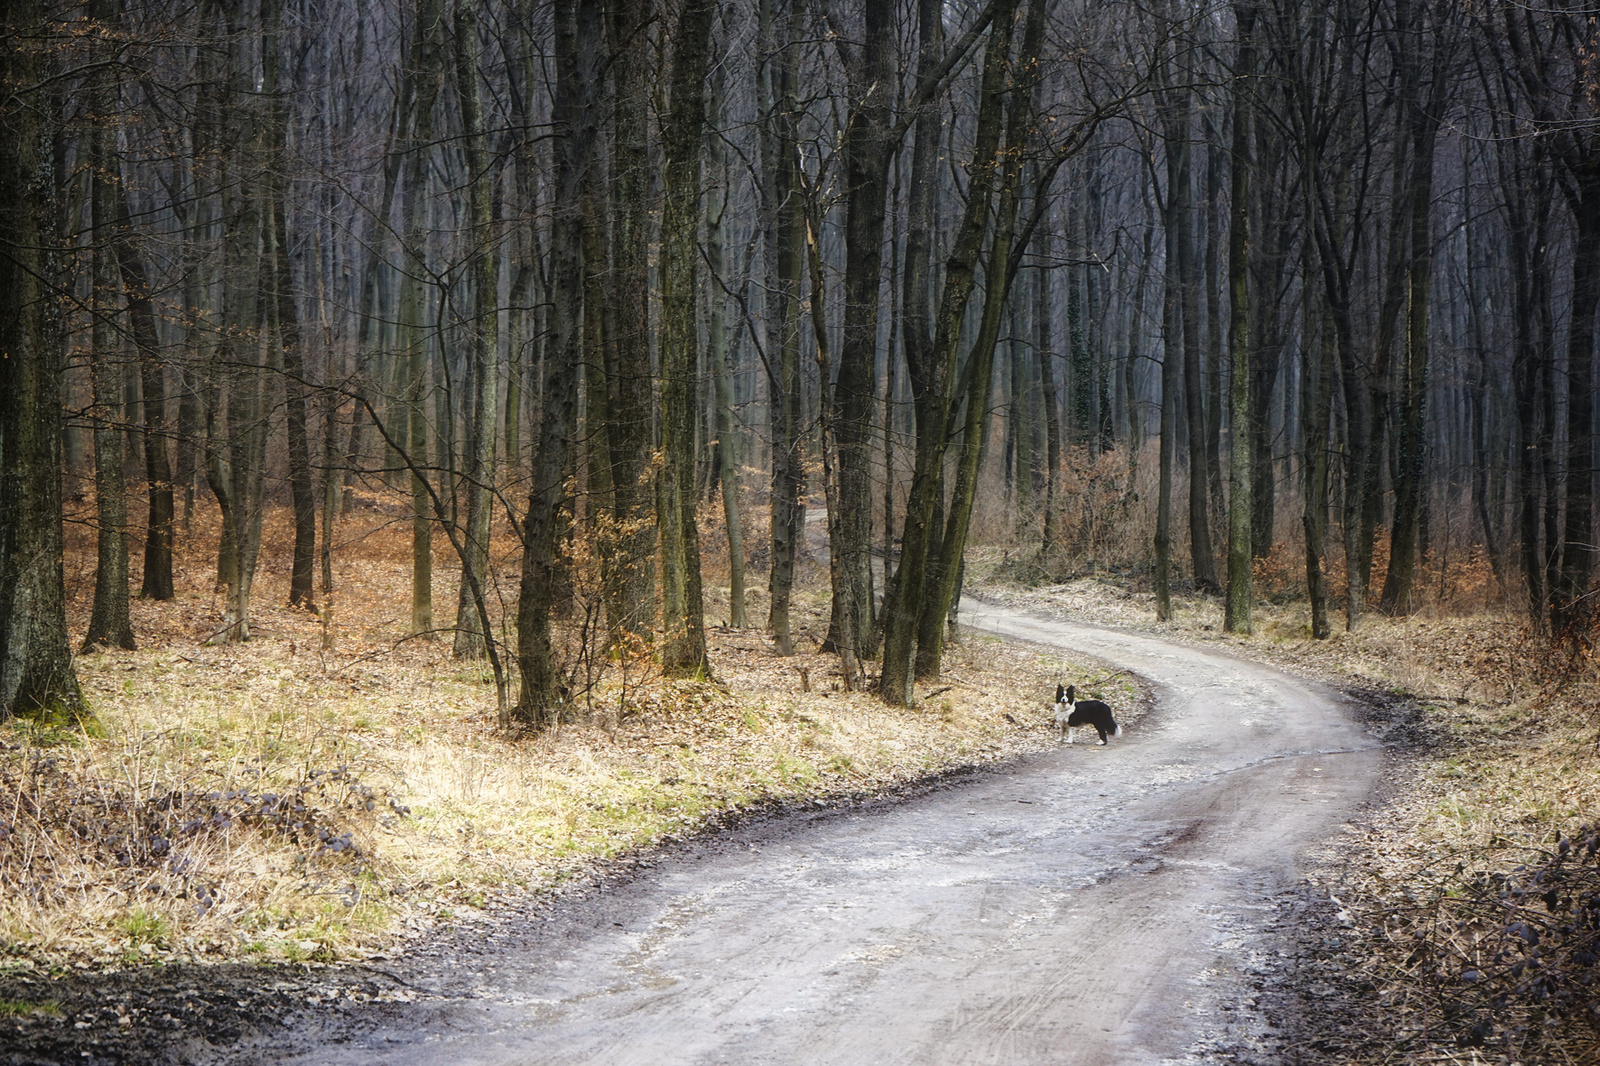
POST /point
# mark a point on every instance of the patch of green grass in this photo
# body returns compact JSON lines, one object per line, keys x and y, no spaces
{"x":143,"y":927}
{"x":56,"y":725}
{"x":15,"y":1008}
{"x":794,"y":771}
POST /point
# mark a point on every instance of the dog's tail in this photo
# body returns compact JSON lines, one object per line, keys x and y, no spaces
{"x":1116,"y":728}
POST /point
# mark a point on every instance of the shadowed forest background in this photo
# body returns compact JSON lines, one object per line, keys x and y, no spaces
{"x":1266,"y":293}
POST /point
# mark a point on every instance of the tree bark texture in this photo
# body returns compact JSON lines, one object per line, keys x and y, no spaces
{"x":574,"y":116}
{"x":868,"y":152}
{"x":36,"y":672}
{"x":630,"y":581}
{"x":109,"y":622}
{"x":683,"y":650}
{"x":782,"y":237}
{"x":481,"y":337}
{"x":1241,"y":478}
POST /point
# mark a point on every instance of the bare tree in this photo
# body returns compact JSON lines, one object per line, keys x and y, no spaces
{"x":109,"y":624}
{"x":683,"y":133}
{"x":1241,"y":478}
{"x":480,"y":333}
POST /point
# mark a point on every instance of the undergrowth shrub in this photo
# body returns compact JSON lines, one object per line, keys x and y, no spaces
{"x":1513,"y":954}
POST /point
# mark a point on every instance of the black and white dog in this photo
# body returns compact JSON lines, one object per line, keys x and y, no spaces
{"x":1073,"y":713}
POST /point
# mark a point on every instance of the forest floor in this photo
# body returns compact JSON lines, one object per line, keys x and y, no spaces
{"x":247,"y":825}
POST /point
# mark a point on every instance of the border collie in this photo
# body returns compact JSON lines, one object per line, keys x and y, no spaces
{"x":1073,"y":713}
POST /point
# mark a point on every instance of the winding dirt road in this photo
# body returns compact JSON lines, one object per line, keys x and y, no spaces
{"x":1093,"y":905}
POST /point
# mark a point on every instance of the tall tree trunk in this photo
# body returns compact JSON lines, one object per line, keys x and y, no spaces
{"x":717,"y":354}
{"x":1527,"y":208}
{"x":1241,"y":591}
{"x":868,"y":152}
{"x":36,"y":672}
{"x":781,"y":222}
{"x":286,"y":317}
{"x":574,"y":116}
{"x":1488,"y":494}
{"x":332,"y":482}
{"x":1172,"y":296}
{"x":1216,"y":295}
{"x":1080,"y":365}
{"x":1180,"y":197}
{"x":416,"y":118}
{"x":630,"y":583}
{"x":415,"y":421}
{"x":1136,"y":332}
{"x":1331,"y":229}
{"x":928,"y":378}
{"x":109,"y":624}
{"x":482,"y":341}
{"x":157,"y":580}
{"x":1315,"y":396}
{"x":284,"y":314}
{"x":1050,"y":539}
{"x":246,"y":283}
{"x":998,"y":274}
{"x":1405,"y":168}
{"x":1017,"y":452}
{"x":683,"y":650}
{"x":1411,"y":433}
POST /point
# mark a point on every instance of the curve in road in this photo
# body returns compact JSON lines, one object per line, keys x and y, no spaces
{"x":1093,"y":905}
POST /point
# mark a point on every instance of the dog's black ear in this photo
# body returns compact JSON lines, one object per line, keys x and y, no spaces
{"x":1061,"y":693}
{"x":1072,"y":692}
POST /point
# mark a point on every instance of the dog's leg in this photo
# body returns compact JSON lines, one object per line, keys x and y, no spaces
{"x":1069,"y":734}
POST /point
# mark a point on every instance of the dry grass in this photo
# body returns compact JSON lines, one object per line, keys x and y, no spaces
{"x":275,"y":800}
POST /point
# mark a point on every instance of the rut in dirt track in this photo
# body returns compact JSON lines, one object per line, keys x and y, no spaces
{"x":1093,"y":905}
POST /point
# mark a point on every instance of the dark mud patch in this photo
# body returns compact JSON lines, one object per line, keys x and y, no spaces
{"x":159,"y":1016}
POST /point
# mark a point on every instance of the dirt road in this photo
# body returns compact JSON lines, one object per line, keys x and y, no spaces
{"x":1095,"y":905}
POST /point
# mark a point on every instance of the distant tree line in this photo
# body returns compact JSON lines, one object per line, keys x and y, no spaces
{"x":589,"y":265}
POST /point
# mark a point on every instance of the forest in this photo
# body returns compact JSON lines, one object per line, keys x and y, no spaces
{"x":1190,"y":292}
